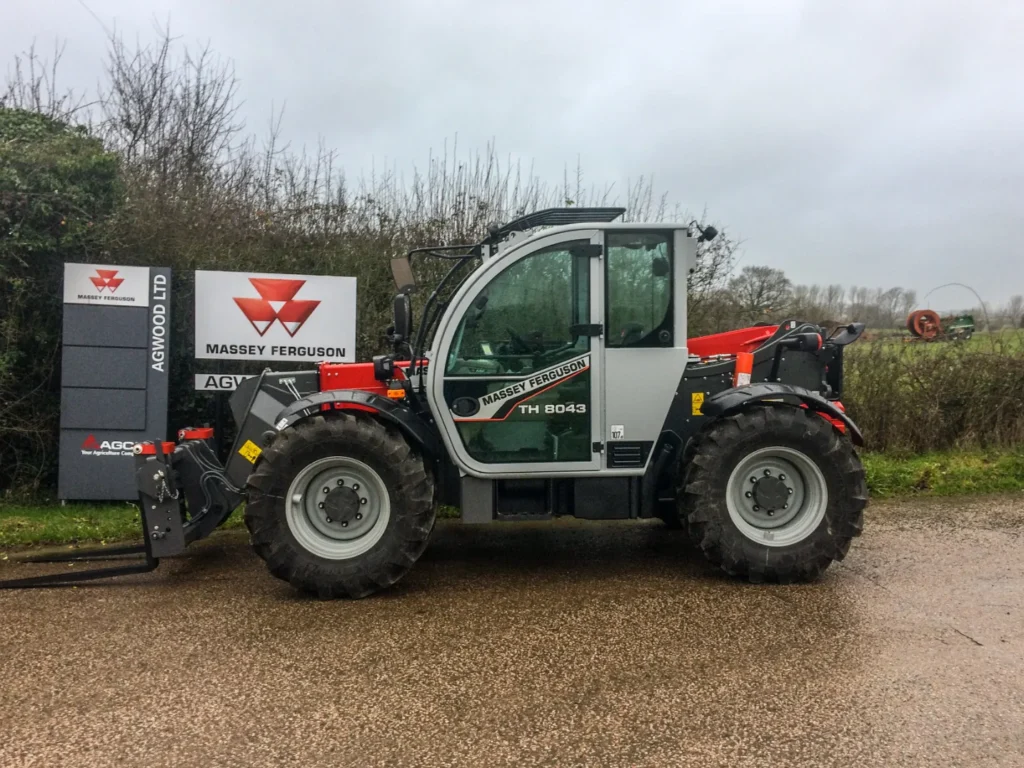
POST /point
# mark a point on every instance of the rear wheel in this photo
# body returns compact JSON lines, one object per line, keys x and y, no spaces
{"x":340,"y":506}
{"x":773,"y":494}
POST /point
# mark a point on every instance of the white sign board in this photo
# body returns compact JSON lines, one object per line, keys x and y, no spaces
{"x":246,"y":316}
{"x":106,"y":285}
{"x":219,"y":382}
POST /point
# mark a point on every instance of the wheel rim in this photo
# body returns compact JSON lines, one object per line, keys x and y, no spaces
{"x":777,"y":496}
{"x":338,"y":508}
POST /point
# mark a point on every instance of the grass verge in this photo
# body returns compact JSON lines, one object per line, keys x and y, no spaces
{"x":22,"y":525}
{"x":944,"y":474}
{"x":936,"y":474}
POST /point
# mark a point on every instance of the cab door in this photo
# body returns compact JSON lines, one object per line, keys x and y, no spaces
{"x":514,"y":375}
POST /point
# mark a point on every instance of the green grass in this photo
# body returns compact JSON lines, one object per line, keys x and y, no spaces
{"x":23,"y":525}
{"x":937,"y":474}
{"x":944,"y":474}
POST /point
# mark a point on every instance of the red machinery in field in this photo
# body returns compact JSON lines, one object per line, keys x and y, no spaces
{"x":925,"y":324}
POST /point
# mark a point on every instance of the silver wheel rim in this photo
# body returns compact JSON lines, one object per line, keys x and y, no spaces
{"x":337,"y":508}
{"x":777,"y":496}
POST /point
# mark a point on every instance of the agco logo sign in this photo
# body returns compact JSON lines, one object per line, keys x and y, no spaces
{"x":94,"y":447}
{"x":106,"y":279}
{"x":277,"y":303}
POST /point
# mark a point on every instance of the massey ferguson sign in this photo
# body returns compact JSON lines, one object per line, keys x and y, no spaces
{"x":242,"y":316}
{"x":106,"y":285}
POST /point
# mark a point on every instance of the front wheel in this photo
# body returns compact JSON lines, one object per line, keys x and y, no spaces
{"x":773,"y":494}
{"x":340,"y":506}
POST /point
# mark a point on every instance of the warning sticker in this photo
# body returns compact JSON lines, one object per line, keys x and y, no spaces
{"x":697,"y":401}
{"x":250,"y":451}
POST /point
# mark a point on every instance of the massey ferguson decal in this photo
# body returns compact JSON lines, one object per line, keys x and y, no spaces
{"x":275,"y":317}
{"x":498,"y":405}
{"x":106,"y":285}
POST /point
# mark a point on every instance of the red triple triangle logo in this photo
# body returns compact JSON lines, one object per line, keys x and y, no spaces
{"x":277,"y":302}
{"x":106,"y":278}
{"x":91,"y":444}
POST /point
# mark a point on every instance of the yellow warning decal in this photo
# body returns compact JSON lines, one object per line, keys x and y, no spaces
{"x":250,"y":451}
{"x":697,"y":400}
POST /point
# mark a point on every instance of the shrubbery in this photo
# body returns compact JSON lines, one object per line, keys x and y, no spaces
{"x":917,"y":397}
{"x":57,"y":186}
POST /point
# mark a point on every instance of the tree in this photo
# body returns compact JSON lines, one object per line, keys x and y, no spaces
{"x":56,"y":184}
{"x":1015,"y":311}
{"x":761,"y":293}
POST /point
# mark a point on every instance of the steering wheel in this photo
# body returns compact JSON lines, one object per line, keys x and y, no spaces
{"x":552,"y":355}
{"x":519,"y":345}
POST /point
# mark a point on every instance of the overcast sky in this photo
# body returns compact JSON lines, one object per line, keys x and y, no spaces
{"x":871,"y":143}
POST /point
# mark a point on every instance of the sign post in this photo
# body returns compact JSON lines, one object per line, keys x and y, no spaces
{"x":114,"y":375}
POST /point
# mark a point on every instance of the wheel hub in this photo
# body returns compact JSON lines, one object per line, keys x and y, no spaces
{"x":341,"y":504}
{"x":776,"y":496}
{"x":771,"y":493}
{"x":338,"y":507}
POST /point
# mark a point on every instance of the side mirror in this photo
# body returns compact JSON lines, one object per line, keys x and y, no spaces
{"x":707,"y":234}
{"x":403,"y":318}
{"x":401,"y":271}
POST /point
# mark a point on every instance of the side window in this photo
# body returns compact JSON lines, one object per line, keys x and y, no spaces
{"x":524,"y":319}
{"x":639,"y":290}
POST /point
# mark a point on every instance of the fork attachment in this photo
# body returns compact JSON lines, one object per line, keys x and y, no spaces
{"x":162,"y":471}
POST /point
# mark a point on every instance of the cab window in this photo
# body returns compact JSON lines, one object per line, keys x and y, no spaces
{"x":639,"y":290}
{"x":527,"y":318}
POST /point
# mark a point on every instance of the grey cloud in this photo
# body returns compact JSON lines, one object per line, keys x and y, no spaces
{"x":873,"y":143}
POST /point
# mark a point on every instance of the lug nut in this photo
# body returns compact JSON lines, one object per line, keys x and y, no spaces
{"x":358,"y":516}
{"x":785,"y":506}
{"x":321,"y":505}
{"x":329,"y":520}
{"x":767,"y":472}
{"x":326,"y":489}
{"x":341,"y":482}
{"x":344,"y":524}
{"x":789,"y":491}
{"x":753,"y":479}
{"x":355,"y":486}
{"x":748,"y":494}
{"x":771,"y":512}
{"x":757,"y":508}
{"x":782,"y":477}
{"x":362,"y":501}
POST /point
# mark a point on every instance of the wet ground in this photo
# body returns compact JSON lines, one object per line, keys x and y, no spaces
{"x":564,"y":643}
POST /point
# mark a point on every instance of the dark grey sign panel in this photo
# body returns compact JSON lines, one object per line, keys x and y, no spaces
{"x":105,"y":367}
{"x":114,"y":382}
{"x":82,"y":408}
{"x":87,"y":326}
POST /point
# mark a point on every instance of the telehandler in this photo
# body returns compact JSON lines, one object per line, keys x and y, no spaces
{"x":550,"y":374}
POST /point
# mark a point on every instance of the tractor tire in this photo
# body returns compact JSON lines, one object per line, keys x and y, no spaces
{"x":340,"y":507}
{"x":773,"y":493}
